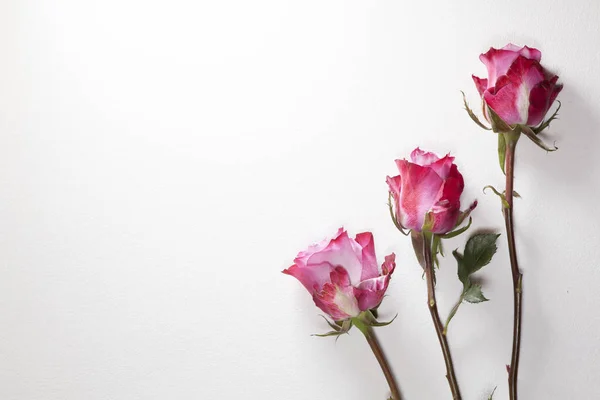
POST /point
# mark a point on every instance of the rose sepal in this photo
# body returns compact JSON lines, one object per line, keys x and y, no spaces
{"x":366,"y":319}
{"x":545,"y":124}
{"x":472,"y":115}
{"x":361,"y":321}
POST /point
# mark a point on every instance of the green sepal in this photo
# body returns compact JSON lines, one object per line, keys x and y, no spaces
{"x":361,"y":325}
{"x":457,"y":232}
{"x":474,"y":294}
{"x":492,"y":394}
{"x":527,"y":131}
{"x":502,"y":151}
{"x":366,"y":319}
{"x":501,"y":195}
{"x":437,"y":248}
{"x":339,"y":328}
{"x":472,"y":114}
{"x":498,"y":125}
{"x":546,"y":123}
{"x":428,"y":222}
{"x":336,"y":326}
{"x":418,"y":243}
{"x":394,"y":219}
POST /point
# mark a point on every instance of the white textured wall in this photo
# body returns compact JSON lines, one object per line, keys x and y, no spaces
{"x":162,"y":161}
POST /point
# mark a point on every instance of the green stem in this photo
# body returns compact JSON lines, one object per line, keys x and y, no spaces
{"x":437,"y":323}
{"x":517,"y":277}
{"x":453,"y":312}
{"x":380,"y":356}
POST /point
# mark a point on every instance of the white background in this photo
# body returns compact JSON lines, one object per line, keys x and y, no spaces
{"x":162,"y":161}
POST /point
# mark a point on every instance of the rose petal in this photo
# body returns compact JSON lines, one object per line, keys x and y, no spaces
{"x":540,"y":100}
{"x":369,"y":260}
{"x":481,"y":84}
{"x":423,"y":158}
{"x":446,"y":211}
{"x":503,"y":100}
{"x":497,"y":63}
{"x":370,"y":292}
{"x":420,"y":189}
{"x":443,"y":166}
{"x":337,"y":298}
{"x":341,"y":251}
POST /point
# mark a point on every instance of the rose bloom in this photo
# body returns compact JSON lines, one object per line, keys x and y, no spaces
{"x":342,"y":276}
{"x":427,"y":193}
{"x":518,"y":88}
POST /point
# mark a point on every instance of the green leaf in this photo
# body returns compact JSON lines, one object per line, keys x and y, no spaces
{"x":479,"y":250}
{"x":474,"y":294}
{"x":492,"y":394}
{"x":463,"y":274}
{"x":502,"y":151}
{"x":472,"y":114}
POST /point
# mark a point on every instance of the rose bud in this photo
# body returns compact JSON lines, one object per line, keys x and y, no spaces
{"x":342,"y":276}
{"x":427,"y":193}
{"x":518,"y":89}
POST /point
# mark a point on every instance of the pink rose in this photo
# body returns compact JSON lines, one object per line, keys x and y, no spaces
{"x":427,"y":193}
{"x":518,"y":89}
{"x":342,"y":274}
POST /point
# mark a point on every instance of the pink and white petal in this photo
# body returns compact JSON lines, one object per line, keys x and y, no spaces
{"x":369,"y":259}
{"x":503,"y":100}
{"x":304,"y":255}
{"x":444,"y":217}
{"x":337,"y":298}
{"x":540,"y":100}
{"x":312,"y":277}
{"x":370,"y":292}
{"x":325,"y":300}
{"x":480,"y":83}
{"x":423,"y":158}
{"x":530,"y":72}
{"x":446,"y":211}
{"x":497,"y":63}
{"x":524,"y":74}
{"x":389,"y":264}
{"x":525,"y":51}
{"x":420,"y":190}
{"x":341,"y":251}
{"x":443,"y":166}
{"x":512,"y":47}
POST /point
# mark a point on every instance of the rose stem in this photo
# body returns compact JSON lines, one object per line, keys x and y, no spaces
{"x":385,"y":367}
{"x":439,"y":327}
{"x":517,"y":277}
